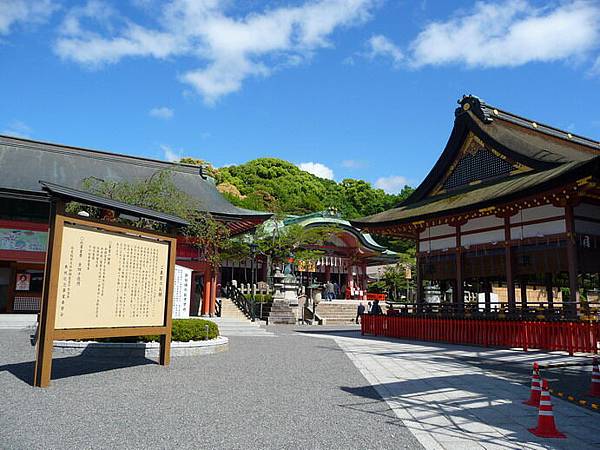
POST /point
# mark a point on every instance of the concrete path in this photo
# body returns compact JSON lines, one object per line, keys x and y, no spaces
{"x":287,"y":392}
{"x":451,"y":398}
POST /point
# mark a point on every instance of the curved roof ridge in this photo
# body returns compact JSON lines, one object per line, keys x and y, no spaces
{"x":487,"y":113}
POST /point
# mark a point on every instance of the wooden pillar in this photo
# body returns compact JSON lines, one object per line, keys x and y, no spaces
{"x":572,"y":263}
{"x":327,"y":273}
{"x":213,"y":293}
{"x":460,"y":283}
{"x":523,"y":283}
{"x":510,"y":281}
{"x":205,"y":309}
{"x":419,"y":280}
{"x":549,"y":290}
{"x":487,"y":290}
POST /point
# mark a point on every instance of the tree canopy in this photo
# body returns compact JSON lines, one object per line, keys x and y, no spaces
{"x":272,"y":184}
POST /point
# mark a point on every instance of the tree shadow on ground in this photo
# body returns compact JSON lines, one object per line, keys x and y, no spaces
{"x":457,"y":407}
{"x":88,"y":362}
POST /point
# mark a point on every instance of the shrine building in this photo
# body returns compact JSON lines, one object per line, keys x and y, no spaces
{"x":344,"y":261}
{"x":24,"y":213}
{"x":510,"y":202}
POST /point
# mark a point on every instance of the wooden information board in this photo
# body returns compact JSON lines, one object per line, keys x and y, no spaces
{"x":104,"y":280}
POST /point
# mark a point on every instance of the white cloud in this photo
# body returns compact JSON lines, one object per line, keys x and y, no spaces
{"x":17,"y":128}
{"x":354,"y":164}
{"x":161,"y":112}
{"x":392,"y":184}
{"x":318,"y":169}
{"x":510,"y":33}
{"x":229,"y":48}
{"x":381,"y":47}
{"x":169,"y":154}
{"x":14,"y":12}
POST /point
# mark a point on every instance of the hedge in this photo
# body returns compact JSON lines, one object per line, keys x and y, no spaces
{"x":260,"y":298}
{"x":183,"y":330}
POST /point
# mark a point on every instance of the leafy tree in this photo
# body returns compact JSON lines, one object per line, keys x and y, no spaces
{"x":159,"y":193}
{"x":275,"y":185}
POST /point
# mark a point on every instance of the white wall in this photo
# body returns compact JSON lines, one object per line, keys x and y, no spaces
{"x":539,"y":212}
{"x":538,"y":229}
{"x":438,"y":230}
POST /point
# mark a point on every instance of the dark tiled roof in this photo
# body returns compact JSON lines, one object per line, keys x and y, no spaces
{"x":24,"y":162}
{"x":67,"y":193}
{"x":480,"y":196}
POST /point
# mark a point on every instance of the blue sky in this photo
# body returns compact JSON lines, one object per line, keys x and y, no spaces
{"x":348,"y":88}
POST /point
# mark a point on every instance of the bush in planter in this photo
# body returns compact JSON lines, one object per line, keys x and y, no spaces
{"x":260,"y":298}
{"x":183,"y":330}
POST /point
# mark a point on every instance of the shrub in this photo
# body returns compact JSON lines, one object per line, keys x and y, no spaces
{"x":260,"y":298}
{"x":183,"y":330}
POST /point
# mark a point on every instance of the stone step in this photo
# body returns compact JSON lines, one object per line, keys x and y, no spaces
{"x":17,"y":321}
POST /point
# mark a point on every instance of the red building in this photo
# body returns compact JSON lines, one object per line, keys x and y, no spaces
{"x":24,"y":210}
{"x":509,"y":202}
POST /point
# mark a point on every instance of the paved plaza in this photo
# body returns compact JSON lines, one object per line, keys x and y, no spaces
{"x":306,"y":387}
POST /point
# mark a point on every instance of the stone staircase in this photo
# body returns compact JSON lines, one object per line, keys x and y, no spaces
{"x":233,"y":322}
{"x":235,"y":327}
{"x":334,"y":313}
{"x":230,"y":310}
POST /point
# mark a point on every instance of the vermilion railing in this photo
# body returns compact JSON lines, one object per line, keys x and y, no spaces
{"x":564,"y":336}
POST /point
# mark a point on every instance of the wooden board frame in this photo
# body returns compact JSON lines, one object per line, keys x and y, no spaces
{"x":46,"y":331}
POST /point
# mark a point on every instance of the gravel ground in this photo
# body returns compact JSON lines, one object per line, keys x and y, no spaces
{"x":291,"y":391}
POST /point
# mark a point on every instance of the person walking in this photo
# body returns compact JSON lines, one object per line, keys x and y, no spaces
{"x":369,"y":307}
{"x":376,"y":309}
{"x":329,"y":290}
{"x":360,"y":311}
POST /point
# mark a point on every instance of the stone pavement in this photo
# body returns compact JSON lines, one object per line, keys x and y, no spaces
{"x":450,"y":399}
{"x":287,"y":392}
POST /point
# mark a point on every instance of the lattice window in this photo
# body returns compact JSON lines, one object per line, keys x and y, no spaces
{"x":481,"y":165}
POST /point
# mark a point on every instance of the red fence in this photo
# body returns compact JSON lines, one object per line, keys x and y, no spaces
{"x":566,"y":336}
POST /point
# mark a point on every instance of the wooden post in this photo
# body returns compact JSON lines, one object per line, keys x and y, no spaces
{"x":487,"y":289}
{"x":549,"y":290}
{"x":460,"y":286}
{"x":205,"y":308}
{"x":213,"y":293}
{"x":45,"y":339}
{"x":419,"y":280}
{"x":165,"y":339}
{"x":523,"y":284}
{"x":510,"y":281}
{"x":572,"y":262}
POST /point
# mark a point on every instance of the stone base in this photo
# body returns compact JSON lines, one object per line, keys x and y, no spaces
{"x":281,"y":313}
{"x":140,"y":349}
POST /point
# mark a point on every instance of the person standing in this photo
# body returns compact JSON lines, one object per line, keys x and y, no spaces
{"x":329,"y":290}
{"x":360,"y":311}
{"x":376,"y":309}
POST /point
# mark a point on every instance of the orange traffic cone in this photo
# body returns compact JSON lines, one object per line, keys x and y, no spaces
{"x":595,"y":387}
{"x":536,"y":389}
{"x":546,"y":427}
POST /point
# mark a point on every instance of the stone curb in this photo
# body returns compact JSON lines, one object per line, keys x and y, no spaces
{"x":140,"y":349}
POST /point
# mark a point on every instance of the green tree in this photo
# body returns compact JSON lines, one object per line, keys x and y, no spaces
{"x":159,"y":193}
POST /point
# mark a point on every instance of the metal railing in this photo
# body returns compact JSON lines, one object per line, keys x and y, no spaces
{"x":246,"y":305}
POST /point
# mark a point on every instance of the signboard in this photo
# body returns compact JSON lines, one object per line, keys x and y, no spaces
{"x":104,"y":280}
{"x":181,"y":292}
{"x":110,"y":279}
{"x":23,"y":240}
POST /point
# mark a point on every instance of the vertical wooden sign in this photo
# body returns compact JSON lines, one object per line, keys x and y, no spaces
{"x":103,"y":280}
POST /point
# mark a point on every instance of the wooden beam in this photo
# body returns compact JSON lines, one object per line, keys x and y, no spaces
{"x":510,"y":282}
{"x":572,"y":262}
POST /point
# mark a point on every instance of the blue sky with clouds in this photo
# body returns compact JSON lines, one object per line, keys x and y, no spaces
{"x":344,"y":88}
